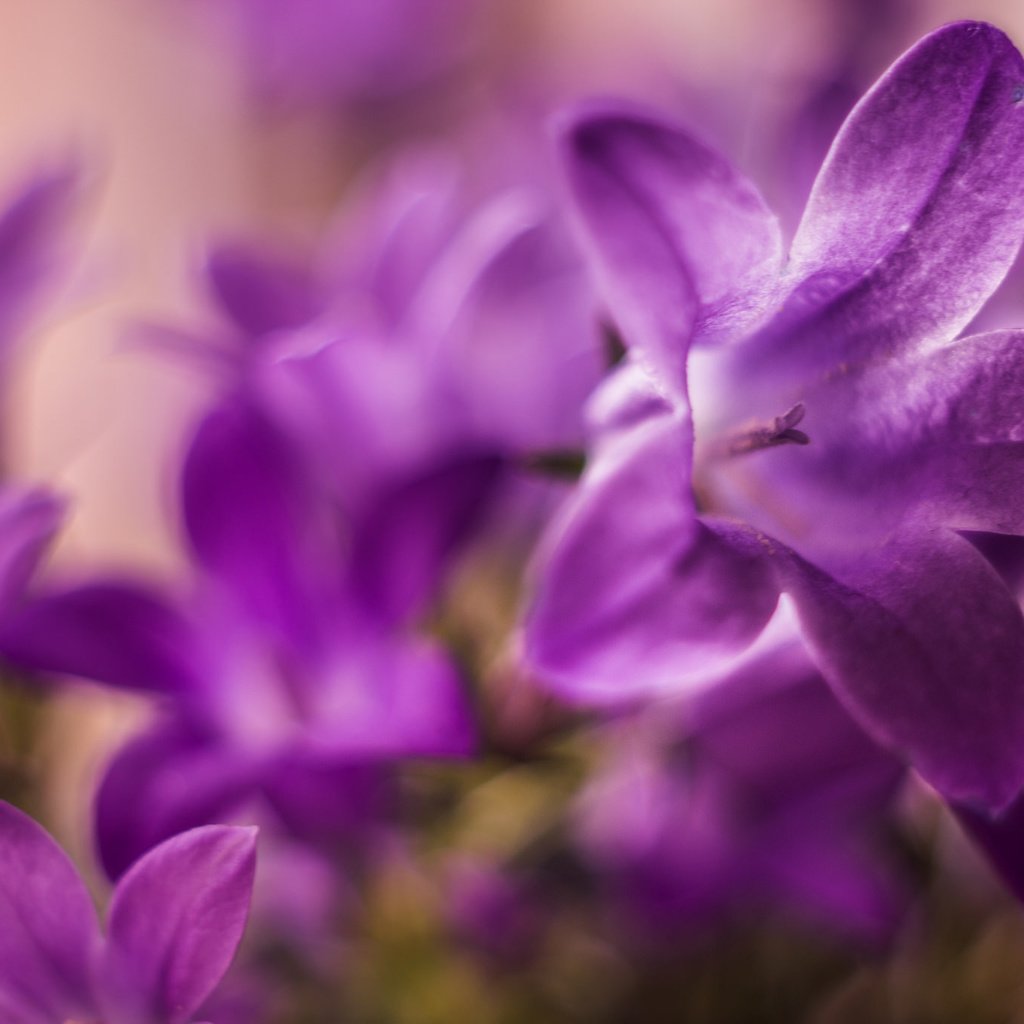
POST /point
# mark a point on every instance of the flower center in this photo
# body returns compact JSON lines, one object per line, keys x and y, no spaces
{"x":782,"y":430}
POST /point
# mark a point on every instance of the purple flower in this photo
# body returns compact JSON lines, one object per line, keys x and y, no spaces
{"x":764,"y":794}
{"x":808,"y":424}
{"x":174,"y":924}
{"x":282,"y":680}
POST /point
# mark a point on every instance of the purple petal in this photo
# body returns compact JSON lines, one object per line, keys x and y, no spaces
{"x":406,"y":540}
{"x":29,"y":229}
{"x":924,"y":645}
{"x":114,"y":632}
{"x":331,"y":804}
{"x":175,"y":922}
{"x":679,"y":238}
{"x":165,"y":781}
{"x":1001,"y":838}
{"x":29,"y":519}
{"x":917,"y":214}
{"x":48,"y":927}
{"x":635,"y":594}
{"x":261,"y":292}
{"x":247,"y":513}
{"x":386,"y":697}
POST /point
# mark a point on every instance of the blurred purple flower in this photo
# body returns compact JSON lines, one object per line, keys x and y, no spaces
{"x":174,"y":924}
{"x":282,"y":682}
{"x":809,"y":425}
{"x":352,"y":51}
{"x":765,"y":796}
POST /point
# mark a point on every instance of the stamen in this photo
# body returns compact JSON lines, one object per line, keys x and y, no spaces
{"x":782,"y":431}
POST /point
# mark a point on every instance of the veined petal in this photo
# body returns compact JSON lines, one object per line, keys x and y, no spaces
{"x":939,"y":435}
{"x":633,"y":593}
{"x":680,"y":240}
{"x":924,"y":645}
{"x":917,"y":214}
{"x":48,"y":927}
{"x":112,"y":631}
{"x":175,"y":922}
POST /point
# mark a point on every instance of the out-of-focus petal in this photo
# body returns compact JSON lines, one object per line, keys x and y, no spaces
{"x":634,"y":594}
{"x":165,"y":781}
{"x":261,"y":292}
{"x":247,"y":513}
{"x":175,"y":922}
{"x":29,"y":231}
{"x":680,"y":240}
{"x":29,"y":519}
{"x":405,"y":540}
{"x":115,"y":632}
{"x":331,"y":802}
{"x":924,"y":644}
{"x":48,"y":928}
{"x":917,"y":214}
{"x":389,"y":697}
{"x":1001,"y":838}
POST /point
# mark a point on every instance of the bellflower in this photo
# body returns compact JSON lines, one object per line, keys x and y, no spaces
{"x":174,"y":923}
{"x":765,"y":795}
{"x":810,"y":424}
{"x":280,"y":680}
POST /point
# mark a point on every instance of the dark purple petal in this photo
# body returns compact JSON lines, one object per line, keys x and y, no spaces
{"x":114,"y":632}
{"x":247,"y":512}
{"x":331,"y":803}
{"x":48,"y":928}
{"x":261,"y":292}
{"x":924,"y":645}
{"x":405,"y":541}
{"x":634,"y":594}
{"x":1001,"y":838}
{"x":680,"y":240}
{"x":774,"y":725}
{"x":165,"y":781}
{"x":917,"y":214}
{"x":29,"y":519}
{"x":176,"y":919}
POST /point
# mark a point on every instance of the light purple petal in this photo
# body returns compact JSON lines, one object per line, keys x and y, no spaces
{"x":261,"y":292}
{"x":924,"y":645}
{"x":48,"y":928}
{"x":680,"y":240}
{"x":175,"y":922}
{"x":29,"y":519}
{"x":634,"y":594}
{"x":917,"y":214}
{"x":29,"y":233}
{"x":115,"y":632}
{"x":387,"y":697}
{"x":167,"y":780}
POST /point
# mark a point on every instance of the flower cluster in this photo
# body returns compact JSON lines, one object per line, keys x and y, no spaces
{"x":567,"y":571}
